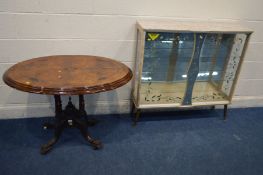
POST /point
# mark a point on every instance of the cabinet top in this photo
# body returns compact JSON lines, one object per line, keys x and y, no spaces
{"x":191,"y":26}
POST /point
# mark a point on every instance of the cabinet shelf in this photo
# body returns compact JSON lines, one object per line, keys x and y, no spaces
{"x":171,"y":94}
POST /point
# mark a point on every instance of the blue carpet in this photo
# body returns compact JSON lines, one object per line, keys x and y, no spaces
{"x":166,"y":143}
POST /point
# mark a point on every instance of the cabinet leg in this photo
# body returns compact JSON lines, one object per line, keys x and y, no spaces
{"x":137,"y":116}
{"x":132,"y":107}
{"x":225,"y":112}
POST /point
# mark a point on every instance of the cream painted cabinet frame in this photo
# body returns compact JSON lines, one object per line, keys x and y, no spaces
{"x":187,"y":64}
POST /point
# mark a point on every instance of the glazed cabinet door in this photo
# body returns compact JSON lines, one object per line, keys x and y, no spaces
{"x":187,"y":68}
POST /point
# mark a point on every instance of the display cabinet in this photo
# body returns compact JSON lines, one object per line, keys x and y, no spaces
{"x":186,"y":64}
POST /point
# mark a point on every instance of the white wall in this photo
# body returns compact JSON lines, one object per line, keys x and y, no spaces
{"x":33,"y":28}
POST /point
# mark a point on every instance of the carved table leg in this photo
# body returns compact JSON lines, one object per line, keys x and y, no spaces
{"x":82,"y":126}
{"x":58,"y":126}
{"x":69,"y":117}
{"x":58,"y":111}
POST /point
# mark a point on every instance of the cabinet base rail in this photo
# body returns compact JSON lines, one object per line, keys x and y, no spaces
{"x":136,"y":113}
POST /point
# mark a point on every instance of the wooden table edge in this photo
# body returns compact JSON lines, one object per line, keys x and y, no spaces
{"x":68,"y":91}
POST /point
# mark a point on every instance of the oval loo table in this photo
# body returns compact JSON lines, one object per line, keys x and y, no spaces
{"x":68,"y":75}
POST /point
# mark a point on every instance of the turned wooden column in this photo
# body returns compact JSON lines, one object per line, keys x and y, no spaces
{"x":58,"y":105}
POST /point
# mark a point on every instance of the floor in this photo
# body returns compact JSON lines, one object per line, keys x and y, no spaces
{"x":163,"y":143}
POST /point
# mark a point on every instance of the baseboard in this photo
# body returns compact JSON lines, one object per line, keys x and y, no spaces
{"x":247,"y":101}
{"x":47,"y":109}
{"x":25,"y":111}
{"x":104,"y":107}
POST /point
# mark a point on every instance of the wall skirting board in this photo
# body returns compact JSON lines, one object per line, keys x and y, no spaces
{"x":122,"y":107}
{"x":47,"y":109}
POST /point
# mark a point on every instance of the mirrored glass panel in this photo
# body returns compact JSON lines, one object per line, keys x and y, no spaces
{"x":189,"y":68}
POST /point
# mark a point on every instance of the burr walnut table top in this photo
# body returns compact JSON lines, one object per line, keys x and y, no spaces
{"x":67,"y":75}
